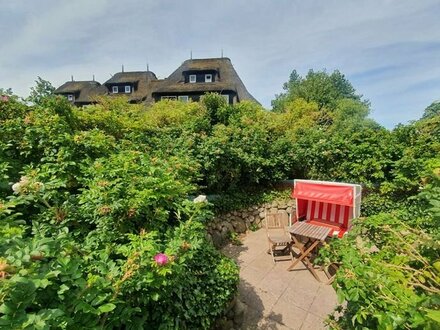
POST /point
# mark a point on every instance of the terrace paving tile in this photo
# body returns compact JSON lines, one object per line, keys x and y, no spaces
{"x":275,"y":297}
{"x":289,"y":315}
{"x":313,"y":322}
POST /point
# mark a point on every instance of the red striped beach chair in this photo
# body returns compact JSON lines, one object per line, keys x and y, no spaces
{"x":328,"y":204}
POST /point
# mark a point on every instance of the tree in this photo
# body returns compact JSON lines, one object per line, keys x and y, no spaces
{"x":320,"y":87}
{"x":351,"y":115}
{"x":432,"y":110}
{"x":42,"y":90}
{"x":6,"y":92}
{"x":280,"y":99}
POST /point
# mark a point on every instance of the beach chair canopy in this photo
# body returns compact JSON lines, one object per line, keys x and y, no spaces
{"x":330,"y":204}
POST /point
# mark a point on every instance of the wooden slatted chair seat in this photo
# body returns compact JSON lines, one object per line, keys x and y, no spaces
{"x":279,"y":239}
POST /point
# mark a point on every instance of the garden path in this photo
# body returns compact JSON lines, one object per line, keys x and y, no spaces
{"x":276,"y":298}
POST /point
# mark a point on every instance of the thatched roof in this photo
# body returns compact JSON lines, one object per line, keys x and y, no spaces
{"x":72,"y":87}
{"x":88,"y":95}
{"x":87,"y":90}
{"x":142,"y":80}
{"x":227,"y":80}
{"x":131,"y":77}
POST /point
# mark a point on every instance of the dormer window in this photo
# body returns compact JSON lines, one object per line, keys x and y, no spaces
{"x":208,"y":78}
{"x":192,"y":78}
{"x":70,"y":97}
{"x":127,"y":89}
{"x":115,"y":89}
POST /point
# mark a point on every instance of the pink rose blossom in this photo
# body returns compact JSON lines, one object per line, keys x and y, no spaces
{"x":161,"y":259}
{"x":5,"y":98}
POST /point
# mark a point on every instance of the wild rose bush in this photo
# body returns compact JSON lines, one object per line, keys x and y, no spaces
{"x":96,"y":229}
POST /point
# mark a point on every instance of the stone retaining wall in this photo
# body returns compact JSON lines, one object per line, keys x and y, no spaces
{"x":222,"y":226}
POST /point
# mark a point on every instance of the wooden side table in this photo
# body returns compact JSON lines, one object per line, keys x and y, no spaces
{"x":314,"y":235}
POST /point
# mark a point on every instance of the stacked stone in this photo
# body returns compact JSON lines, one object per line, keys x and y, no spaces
{"x":240,"y":221}
{"x":233,"y":317}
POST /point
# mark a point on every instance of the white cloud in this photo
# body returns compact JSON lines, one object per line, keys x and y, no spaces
{"x":44,"y":30}
{"x":265,"y":41}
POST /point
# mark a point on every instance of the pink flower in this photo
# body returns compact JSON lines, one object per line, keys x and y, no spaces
{"x":161,"y":259}
{"x":4,"y":98}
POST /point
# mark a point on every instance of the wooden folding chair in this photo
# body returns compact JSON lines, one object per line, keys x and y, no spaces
{"x":278,"y":237}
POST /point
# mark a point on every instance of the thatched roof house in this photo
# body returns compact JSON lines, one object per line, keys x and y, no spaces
{"x":190,"y":81}
{"x":195,"y":77}
{"x":81,"y":92}
{"x":136,"y":85}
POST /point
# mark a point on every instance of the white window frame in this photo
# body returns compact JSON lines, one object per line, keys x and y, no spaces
{"x":127,"y":89}
{"x":70,"y":97}
{"x":183,"y":98}
{"x":226,"y":97}
{"x":208,"y":77}
{"x":115,"y":89}
{"x":192,"y":78}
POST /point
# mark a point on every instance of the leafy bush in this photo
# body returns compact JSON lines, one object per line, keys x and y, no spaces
{"x":97,"y":231}
{"x":52,"y":281}
{"x":389,"y":275}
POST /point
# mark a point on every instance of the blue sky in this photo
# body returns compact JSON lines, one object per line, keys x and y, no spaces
{"x":388,"y":49}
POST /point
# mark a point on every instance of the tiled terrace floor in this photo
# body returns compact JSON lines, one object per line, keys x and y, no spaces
{"x":276,"y":298}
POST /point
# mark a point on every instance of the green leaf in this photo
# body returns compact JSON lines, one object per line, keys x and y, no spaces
{"x":106,"y":308}
{"x":341,"y":296}
{"x":433,"y":314}
{"x":5,"y":309}
{"x":63,"y":288}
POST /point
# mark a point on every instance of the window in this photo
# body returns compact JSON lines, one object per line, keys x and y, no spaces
{"x":183,"y":98}
{"x":70,"y":97}
{"x":208,"y":77}
{"x":115,"y":89}
{"x":192,"y":78}
{"x":226,"y":97}
{"x":168,"y":98}
{"x":127,"y":89}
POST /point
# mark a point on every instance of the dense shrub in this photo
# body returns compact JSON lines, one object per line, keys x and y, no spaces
{"x":97,"y":231}
{"x":54,"y":279}
{"x":390,"y":262}
{"x":389,"y":275}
